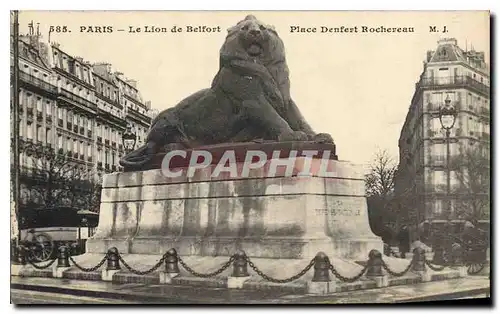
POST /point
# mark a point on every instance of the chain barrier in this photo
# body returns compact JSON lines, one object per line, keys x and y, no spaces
{"x":275,"y":280}
{"x":347,"y":279}
{"x":209,"y":275}
{"x":144,"y":272}
{"x":85,"y":269}
{"x":434,"y":268}
{"x":396,"y":274}
{"x":41,"y":267}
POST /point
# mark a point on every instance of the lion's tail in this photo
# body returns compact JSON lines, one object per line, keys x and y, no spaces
{"x":136,"y":159}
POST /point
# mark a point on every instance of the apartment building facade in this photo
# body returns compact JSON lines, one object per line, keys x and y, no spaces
{"x":462,"y":78}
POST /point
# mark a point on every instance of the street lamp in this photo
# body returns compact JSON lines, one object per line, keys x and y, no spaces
{"x":129,"y":139}
{"x":447,"y":117}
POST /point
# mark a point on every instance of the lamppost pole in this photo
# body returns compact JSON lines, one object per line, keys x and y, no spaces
{"x":447,"y":117}
{"x":448,"y":176}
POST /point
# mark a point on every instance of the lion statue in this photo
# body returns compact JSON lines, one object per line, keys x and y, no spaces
{"x":249,"y":100}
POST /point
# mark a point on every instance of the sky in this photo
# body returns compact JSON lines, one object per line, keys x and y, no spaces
{"x":355,"y":86}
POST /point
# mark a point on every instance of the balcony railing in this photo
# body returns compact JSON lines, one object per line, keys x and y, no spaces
{"x":35,"y":81}
{"x":78,"y":99}
{"x":453,"y":81}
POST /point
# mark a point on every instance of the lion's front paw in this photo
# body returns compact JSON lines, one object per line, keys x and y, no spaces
{"x":293,"y":136}
{"x":323,"y":138}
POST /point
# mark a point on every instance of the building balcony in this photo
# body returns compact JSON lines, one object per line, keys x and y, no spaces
{"x":37,"y":83}
{"x":78,"y":99}
{"x":453,"y":82}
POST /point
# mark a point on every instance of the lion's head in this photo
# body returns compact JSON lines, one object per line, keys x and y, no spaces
{"x":252,"y":39}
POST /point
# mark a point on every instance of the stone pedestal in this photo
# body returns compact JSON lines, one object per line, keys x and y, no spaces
{"x":285,"y":215}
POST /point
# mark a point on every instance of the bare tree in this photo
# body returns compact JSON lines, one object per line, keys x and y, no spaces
{"x":380,"y":179}
{"x":53,"y":179}
{"x":380,"y":194}
{"x":471,"y":171}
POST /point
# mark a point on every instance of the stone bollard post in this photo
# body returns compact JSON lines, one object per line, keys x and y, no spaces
{"x":240,"y":271}
{"x":418,"y":267}
{"x":22,"y":255}
{"x":375,"y":270}
{"x":171,"y":267}
{"x":113,"y":265}
{"x":20,"y":261}
{"x":321,"y":283}
{"x":62,"y":262}
{"x":438,"y":258}
{"x":63,"y":257}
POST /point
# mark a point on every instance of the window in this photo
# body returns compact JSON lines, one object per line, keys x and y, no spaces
{"x":469,"y":100}
{"x":60,"y":113}
{"x":29,"y":100}
{"x":39,"y":136}
{"x":59,"y":141}
{"x":48,"y":136}
{"x":75,"y":119}
{"x":89,"y":150}
{"x":68,"y":144}
{"x":438,"y":207}
{"x":39,"y":104}
{"x":48,"y":108}
{"x":89,"y":124}
{"x":75,"y":146}
{"x":81,"y":148}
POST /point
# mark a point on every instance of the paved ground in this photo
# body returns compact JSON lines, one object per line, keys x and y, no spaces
{"x":52,"y":291}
